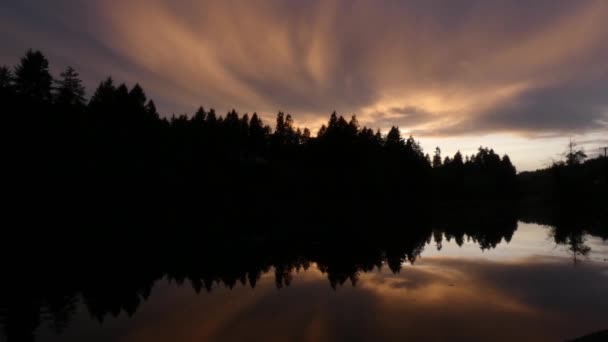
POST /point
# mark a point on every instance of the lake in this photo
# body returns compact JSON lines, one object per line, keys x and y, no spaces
{"x":529,"y":284}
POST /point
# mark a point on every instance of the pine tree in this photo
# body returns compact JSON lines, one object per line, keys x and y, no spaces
{"x":437,"y":158}
{"x":393,"y":138}
{"x":151,"y":110}
{"x":457,"y":161}
{"x":199,"y":116}
{"x":137,"y":97}
{"x":32,"y":77}
{"x":104,"y":97}
{"x":69,"y":90}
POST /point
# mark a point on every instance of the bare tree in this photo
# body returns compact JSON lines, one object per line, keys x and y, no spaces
{"x":574,"y":155}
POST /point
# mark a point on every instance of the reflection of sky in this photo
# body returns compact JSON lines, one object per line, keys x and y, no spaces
{"x":529,"y":241}
{"x":528,"y":290}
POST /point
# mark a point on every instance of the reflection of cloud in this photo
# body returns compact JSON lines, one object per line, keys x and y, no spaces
{"x":437,"y":299}
{"x":172,"y":326}
{"x":534,"y":280}
{"x":432,"y":284}
{"x":532,"y":299}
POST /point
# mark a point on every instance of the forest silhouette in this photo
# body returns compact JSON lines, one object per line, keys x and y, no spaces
{"x":118,"y":142}
{"x":115,"y":156}
{"x":114,"y":165}
{"x":117,"y":151}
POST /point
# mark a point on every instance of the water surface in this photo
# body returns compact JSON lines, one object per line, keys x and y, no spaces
{"x":527,"y":287}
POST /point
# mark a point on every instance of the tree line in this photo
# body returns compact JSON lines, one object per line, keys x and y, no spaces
{"x":117,"y":143}
{"x":574,"y":182}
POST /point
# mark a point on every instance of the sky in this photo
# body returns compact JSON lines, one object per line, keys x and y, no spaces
{"x":521,"y":78}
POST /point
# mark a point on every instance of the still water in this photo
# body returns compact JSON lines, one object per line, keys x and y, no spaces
{"x":527,"y":289}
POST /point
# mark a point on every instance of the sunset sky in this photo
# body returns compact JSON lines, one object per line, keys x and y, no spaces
{"x":520,"y":77}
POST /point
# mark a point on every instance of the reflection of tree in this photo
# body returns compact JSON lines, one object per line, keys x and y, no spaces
{"x":570,"y":223}
{"x":59,"y":310}
{"x":574,"y":239}
{"x":119,"y":279}
{"x":438,"y":238}
{"x":578,"y":247}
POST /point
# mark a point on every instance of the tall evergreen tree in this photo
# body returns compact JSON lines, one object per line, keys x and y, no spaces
{"x":413,"y":148}
{"x":137,"y":97}
{"x":199,"y":116}
{"x":437,"y":158}
{"x":211,"y":117}
{"x":393,"y":138}
{"x":322,"y":131}
{"x":508,"y":166}
{"x":279,"y":128}
{"x":69,"y":90}
{"x":122,"y":97}
{"x":32,"y":77}
{"x":104,"y":98}
{"x":457,"y":161}
{"x":305,"y":136}
{"x":151,"y":110}
{"x":333,"y":120}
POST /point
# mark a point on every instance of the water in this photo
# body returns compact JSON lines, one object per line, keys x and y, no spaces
{"x":527,"y":289}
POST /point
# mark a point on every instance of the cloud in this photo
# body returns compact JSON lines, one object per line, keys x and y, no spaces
{"x":437,"y":68}
{"x":577,"y":106}
{"x":400,"y":116}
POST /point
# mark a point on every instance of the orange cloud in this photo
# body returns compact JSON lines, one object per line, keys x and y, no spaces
{"x":362,"y":58}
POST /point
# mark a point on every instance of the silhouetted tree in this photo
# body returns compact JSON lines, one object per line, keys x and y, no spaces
{"x":457,"y":161}
{"x":211,"y":117}
{"x":574,"y":154}
{"x":393,"y":139}
{"x":137,"y":97}
{"x":104,"y":98}
{"x":151,"y":111}
{"x":322,"y":131}
{"x":199,"y":117}
{"x":437,"y":158}
{"x":70,"y":91}
{"x":32,"y":77}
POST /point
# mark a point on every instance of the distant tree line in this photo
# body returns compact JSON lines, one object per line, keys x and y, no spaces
{"x":117,"y":147}
{"x":575,"y":182}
